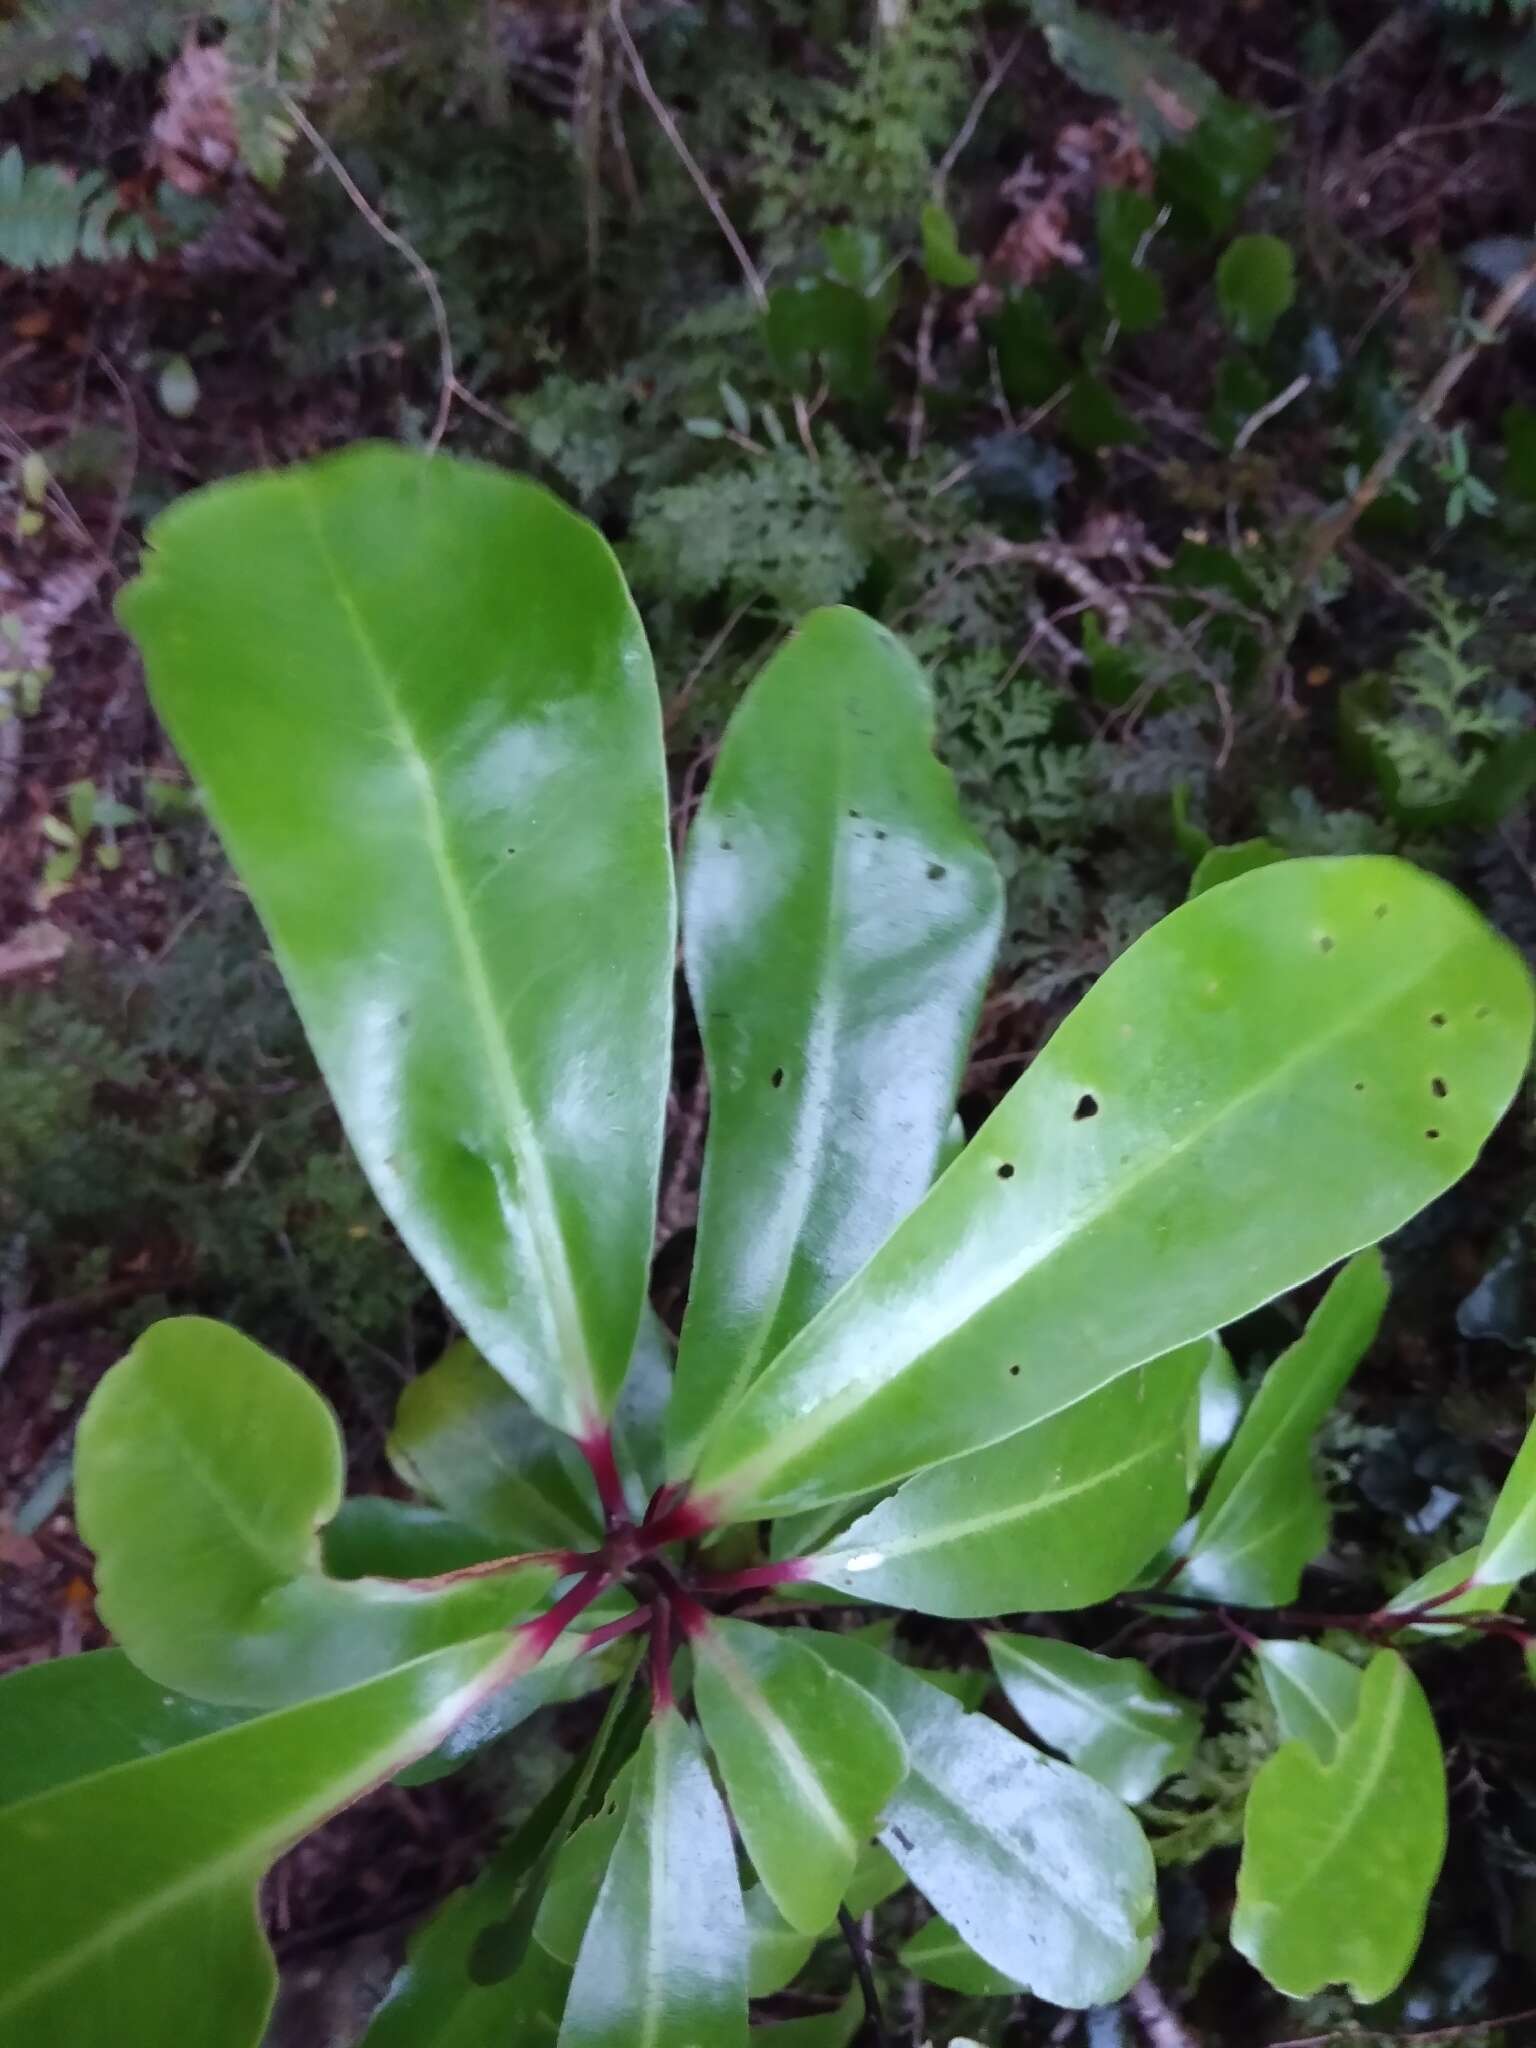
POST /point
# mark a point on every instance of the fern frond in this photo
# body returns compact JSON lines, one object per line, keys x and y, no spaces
{"x":274,"y":54}
{"x":53,"y":39}
{"x":48,"y":218}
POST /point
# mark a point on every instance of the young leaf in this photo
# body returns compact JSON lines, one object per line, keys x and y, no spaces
{"x":1315,"y":1694}
{"x":476,"y":772}
{"x":1283,"y":1070}
{"x":1339,"y":1858}
{"x":1059,"y":1516}
{"x":71,"y":1717}
{"x":467,"y":1440}
{"x":1126,"y":219}
{"x":1508,"y":1549}
{"x":830,"y":844}
{"x":1264,"y":1519}
{"x":938,"y":1955}
{"x":1107,"y":1715}
{"x":1439,"y":1586}
{"x":160,"y":1940}
{"x":1256,"y":283}
{"x":1041,"y":1871}
{"x":809,"y":1761}
{"x":663,"y":1960}
{"x":942,"y":256}
{"x":203,"y":1468}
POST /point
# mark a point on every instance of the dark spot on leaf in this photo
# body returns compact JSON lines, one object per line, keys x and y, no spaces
{"x":1438,"y":1087}
{"x":1359,"y":1087}
{"x":725,"y":846}
{"x":777,"y":1077}
{"x":904,"y":1839}
{"x":1324,"y":943}
{"x":1481,"y":1011}
{"x":1013,"y":1372}
{"x":1438,"y":1020}
{"x":511,"y":850}
{"x":1005,"y":1171}
{"x":879,"y":832}
{"x":1381,"y":910}
{"x":1087,"y":1106}
{"x":935,"y":872}
{"x":1431,"y":1134}
{"x":855,"y":814}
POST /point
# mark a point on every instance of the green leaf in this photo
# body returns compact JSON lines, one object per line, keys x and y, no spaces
{"x":1217,"y":1412}
{"x":578,"y":1873}
{"x":1162,"y":92}
{"x":159,"y":1939}
{"x":565,"y":1672}
{"x":1314,"y":1692}
{"x":1030,"y":359}
{"x":1205,"y":178}
{"x":1519,"y":426}
{"x":824,"y":2030}
{"x":1252,"y":1091}
{"x":942,"y":257}
{"x":1255,"y":283}
{"x":203,"y":1469}
{"x":839,"y":922}
{"x":72,"y":1717}
{"x":663,"y":1960}
{"x":1094,"y":418}
{"x":1507,"y":1552}
{"x":373,"y":1536}
{"x":1041,"y":1871}
{"x":938,"y":1955}
{"x":1440,"y":1581}
{"x":1339,"y":1858}
{"x":1265,"y":1519}
{"x":177,"y":388}
{"x":468,"y":1441}
{"x":826,"y":328}
{"x":1062,"y":1515}
{"x":1226,"y":863}
{"x":1107,"y":1715}
{"x":776,"y":1952}
{"x":476,"y":771}
{"x":808,"y":1759}
{"x":1126,"y":219}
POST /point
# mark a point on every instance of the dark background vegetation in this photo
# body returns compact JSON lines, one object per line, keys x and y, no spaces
{"x":1077,"y":463}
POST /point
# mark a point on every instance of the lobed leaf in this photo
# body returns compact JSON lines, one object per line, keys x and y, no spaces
{"x":160,"y":1940}
{"x":1059,"y":1516}
{"x":1339,"y":1857}
{"x":417,"y":697}
{"x":1107,"y":1715}
{"x":1265,"y":1519}
{"x":1284,"y":1069}
{"x":204,"y":1468}
{"x":839,"y":923}
{"x":809,"y":1760}
{"x":1041,"y":1871}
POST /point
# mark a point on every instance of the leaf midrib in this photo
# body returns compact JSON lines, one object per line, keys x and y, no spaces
{"x":791,"y":1438}
{"x":797,"y":1765}
{"x":520,"y":1131}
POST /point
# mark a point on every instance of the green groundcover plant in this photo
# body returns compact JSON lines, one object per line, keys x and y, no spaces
{"x":968,"y":1382}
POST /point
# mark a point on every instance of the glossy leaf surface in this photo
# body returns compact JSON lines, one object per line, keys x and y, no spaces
{"x":160,"y":1940}
{"x":809,"y":1760}
{"x":374,"y":1536}
{"x":1265,"y":1519}
{"x":578,"y":1874}
{"x":663,"y":1960}
{"x":1315,"y":1694}
{"x":938,"y":1955}
{"x":1060,"y":1516}
{"x":203,"y":1470}
{"x":1041,"y":1871}
{"x":1508,"y":1549}
{"x":839,"y":922}
{"x":72,"y":1717}
{"x":1218,"y":1410}
{"x":1448,"y":1588}
{"x":468,"y":1441}
{"x":1107,"y":1715}
{"x":1339,"y":1858}
{"x":1245,"y":1096}
{"x":424,"y":681}
{"x":776,"y":1952}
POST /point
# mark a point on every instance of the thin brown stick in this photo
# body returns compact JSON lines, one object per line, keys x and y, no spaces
{"x":974,"y":112}
{"x":1353,"y":2037}
{"x":1334,"y":526}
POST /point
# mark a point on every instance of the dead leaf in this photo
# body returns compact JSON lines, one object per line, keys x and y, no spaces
{"x":35,"y":946}
{"x":193,"y":143}
{"x":1036,"y":242}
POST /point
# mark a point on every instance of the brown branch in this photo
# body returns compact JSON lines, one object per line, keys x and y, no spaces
{"x":1334,"y":526}
{"x":1370,"y":2038}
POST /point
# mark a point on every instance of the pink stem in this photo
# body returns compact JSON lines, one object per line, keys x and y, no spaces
{"x":597,"y":1449}
{"x":661,"y":1659}
{"x":790,"y":1571}
{"x":612,"y":1630}
{"x":535,"y":1638}
{"x":678,"y":1523}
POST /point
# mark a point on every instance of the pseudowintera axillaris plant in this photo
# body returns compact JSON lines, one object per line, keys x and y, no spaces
{"x":420,"y":704}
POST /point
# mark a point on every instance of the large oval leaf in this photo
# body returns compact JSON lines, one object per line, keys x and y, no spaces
{"x":839,"y":922}
{"x":809,"y":1760}
{"x":1265,"y":1519}
{"x":72,"y":1717}
{"x":419,"y":701}
{"x":1339,"y":1857}
{"x":1059,"y":1516}
{"x":1315,"y":1693}
{"x":1041,"y":1871}
{"x":1285,"y":1069}
{"x":204,"y":1469}
{"x":664,"y":1957}
{"x":130,"y":1894}
{"x":1107,"y":1715}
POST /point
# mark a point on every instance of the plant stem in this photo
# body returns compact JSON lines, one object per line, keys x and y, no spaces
{"x":597,"y":1449}
{"x":536,"y":1637}
{"x":859,"y":1950}
{"x":790,"y":1571}
{"x":661,"y":1658}
{"x":612,"y":1630}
